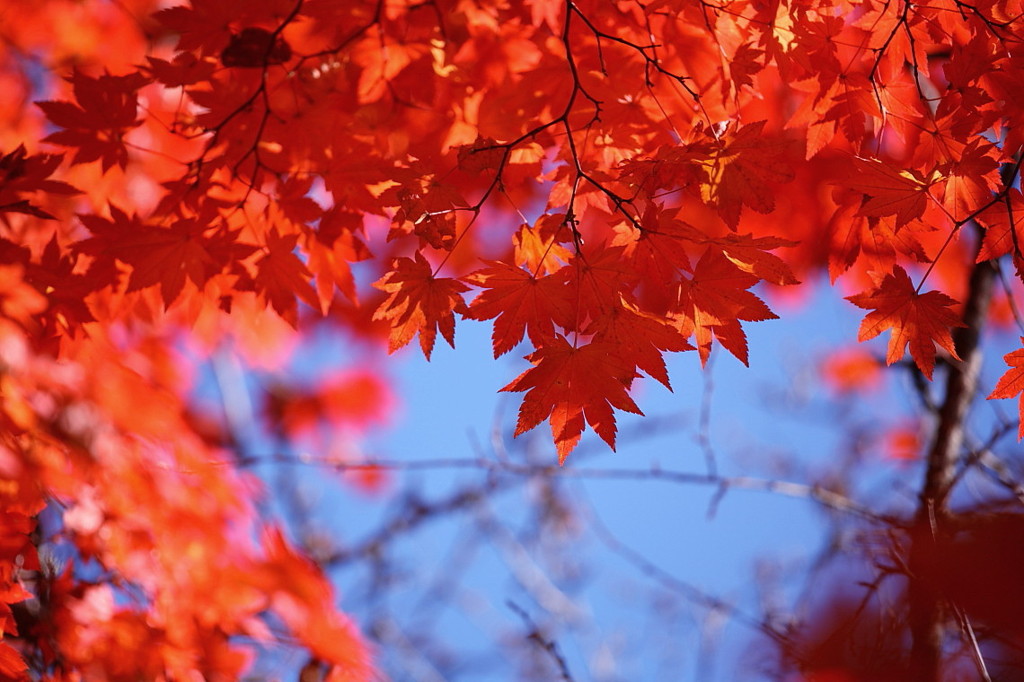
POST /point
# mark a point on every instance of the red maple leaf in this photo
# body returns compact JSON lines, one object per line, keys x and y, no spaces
{"x":96,"y":126}
{"x":66,"y":290}
{"x":519,"y":303}
{"x":205,"y":25}
{"x":281,"y":276}
{"x":537,"y":248}
{"x":335,"y":244}
{"x":747,"y":61}
{"x":922,"y":320}
{"x":597,"y":278}
{"x":22,"y":174}
{"x":876,"y":240}
{"x":971,"y":180}
{"x":1004,"y":233}
{"x":12,"y":665}
{"x":419,"y":303}
{"x":1012,"y":383}
{"x":255,"y":48}
{"x":482,"y":156}
{"x":165,"y":256}
{"x":715,"y":300}
{"x":751,"y":254}
{"x":657,"y":246}
{"x":743,"y":171}
{"x":569,"y":386}
{"x":185,"y":69}
{"x":640,"y":338}
{"x":111,"y":239}
{"x":889,"y":191}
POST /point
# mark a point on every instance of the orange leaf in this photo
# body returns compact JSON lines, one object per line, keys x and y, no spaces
{"x":922,"y":320}
{"x":420,"y":303}
{"x":537,"y":248}
{"x":18,"y":300}
{"x":568,"y":385}
{"x":1012,"y":383}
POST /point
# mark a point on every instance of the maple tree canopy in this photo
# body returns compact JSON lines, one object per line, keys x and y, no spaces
{"x":603,"y":181}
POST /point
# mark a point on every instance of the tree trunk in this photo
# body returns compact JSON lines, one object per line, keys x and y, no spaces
{"x":927,"y":612}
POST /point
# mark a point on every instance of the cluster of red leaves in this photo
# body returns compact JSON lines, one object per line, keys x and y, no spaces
{"x":249,"y":153}
{"x":152,"y":503}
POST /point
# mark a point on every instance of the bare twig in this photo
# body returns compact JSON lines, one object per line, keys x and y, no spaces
{"x":979,"y":660}
{"x":927,"y":620}
{"x":548,"y":645}
{"x":816,"y":493}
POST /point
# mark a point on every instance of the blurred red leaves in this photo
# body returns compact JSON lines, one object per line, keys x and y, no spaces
{"x":852,"y":369}
{"x":624,"y":172}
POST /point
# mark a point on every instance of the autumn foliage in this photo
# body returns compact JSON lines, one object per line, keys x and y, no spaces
{"x":602,"y":182}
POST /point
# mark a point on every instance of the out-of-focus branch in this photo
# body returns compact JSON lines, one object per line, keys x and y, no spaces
{"x":816,"y":493}
{"x":927,"y":612}
{"x":927,"y":617}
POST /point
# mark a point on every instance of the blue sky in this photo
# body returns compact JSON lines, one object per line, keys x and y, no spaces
{"x":612,"y":615}
{"x":449,"y":408}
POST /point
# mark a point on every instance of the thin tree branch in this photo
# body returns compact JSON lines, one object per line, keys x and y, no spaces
{"x":548,"y":645}
{"x":927,"y":617}
{"x":815,"y":493}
